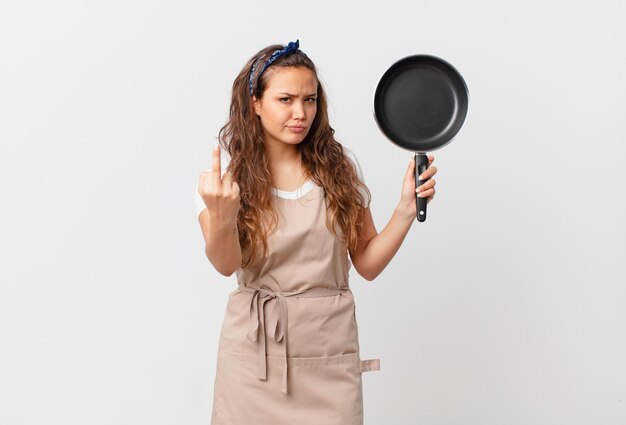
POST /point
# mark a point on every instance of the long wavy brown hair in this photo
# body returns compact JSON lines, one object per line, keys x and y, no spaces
{"x":322,"y":158}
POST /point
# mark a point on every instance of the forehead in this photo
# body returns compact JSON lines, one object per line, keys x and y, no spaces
{"x":292,"y":80}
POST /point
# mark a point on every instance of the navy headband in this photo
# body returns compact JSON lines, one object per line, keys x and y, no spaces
{"x":290,"y":48}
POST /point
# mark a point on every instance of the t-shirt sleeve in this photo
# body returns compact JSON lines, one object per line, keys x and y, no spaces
{"x":350,"y":154}
{"x":224,"y":161}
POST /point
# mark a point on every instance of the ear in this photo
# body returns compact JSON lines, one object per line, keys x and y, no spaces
{"x":256,"y":104}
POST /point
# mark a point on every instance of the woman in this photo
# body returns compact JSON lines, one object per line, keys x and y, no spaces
{"x":289,"y":350}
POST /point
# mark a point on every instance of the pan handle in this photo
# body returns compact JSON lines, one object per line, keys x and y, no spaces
{"x":421,"y":165}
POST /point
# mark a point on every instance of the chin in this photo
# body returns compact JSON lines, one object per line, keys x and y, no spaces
{"x":295,"y":140}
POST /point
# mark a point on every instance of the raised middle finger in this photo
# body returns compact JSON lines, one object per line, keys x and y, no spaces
{"x":217,"y":166}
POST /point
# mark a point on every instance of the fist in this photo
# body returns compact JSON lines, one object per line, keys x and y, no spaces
{"x":220,"y":195}
{"x":411,"y":188}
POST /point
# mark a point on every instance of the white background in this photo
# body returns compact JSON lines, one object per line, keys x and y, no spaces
{"x":507,"y":306}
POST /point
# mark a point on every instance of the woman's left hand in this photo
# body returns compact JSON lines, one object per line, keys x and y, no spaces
{"x":409,"y":188}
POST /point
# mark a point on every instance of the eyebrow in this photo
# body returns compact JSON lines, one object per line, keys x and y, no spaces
{"x":293,"y":95}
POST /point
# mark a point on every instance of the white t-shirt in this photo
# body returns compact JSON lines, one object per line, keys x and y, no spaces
{"x":308,"y":185}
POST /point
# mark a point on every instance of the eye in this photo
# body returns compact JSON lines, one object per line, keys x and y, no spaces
{"x":284,"y":99}
{"x":312,"y":99}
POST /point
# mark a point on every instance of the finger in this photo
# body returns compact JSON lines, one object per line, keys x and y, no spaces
{"x":428,"y":185}
{"x":217,"y":166}
{"x":431,"y":171}
{"x":410,"y":171}
{"x":200,"y":182}
{"x":204,"y":177}
{"x":426,"y":193}
{"x":227,"y":181}
{"x":411,"y":165}
{"x":236,"y":189}
{"x":430,"y":159}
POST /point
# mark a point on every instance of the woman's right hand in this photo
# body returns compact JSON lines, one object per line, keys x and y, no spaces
{"x":220,"y":195}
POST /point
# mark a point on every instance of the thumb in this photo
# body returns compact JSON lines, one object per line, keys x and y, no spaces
{"x":410,"y":172}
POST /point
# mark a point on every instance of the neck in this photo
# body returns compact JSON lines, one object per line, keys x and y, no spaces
{"x":282,"y":154}
{"x":285,"y":164}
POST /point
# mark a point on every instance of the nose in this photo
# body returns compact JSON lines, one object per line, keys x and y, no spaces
{"x":298,"y":110}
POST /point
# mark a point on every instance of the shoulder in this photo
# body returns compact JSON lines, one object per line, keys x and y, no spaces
{"x":359,"y":172}
{"x":350,"y":154}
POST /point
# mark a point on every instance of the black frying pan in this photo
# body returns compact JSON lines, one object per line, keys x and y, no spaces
{"x":420,"y":104}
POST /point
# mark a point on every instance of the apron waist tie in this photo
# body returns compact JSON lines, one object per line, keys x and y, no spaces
{"x":278,"y":320}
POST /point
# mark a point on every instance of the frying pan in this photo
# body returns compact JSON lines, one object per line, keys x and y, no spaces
{"x":420,"y":104}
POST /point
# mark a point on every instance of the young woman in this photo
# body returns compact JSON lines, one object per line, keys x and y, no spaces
{"x":282,"y":207}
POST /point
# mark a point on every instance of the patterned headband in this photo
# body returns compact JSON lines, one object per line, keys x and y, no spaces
{"x":290,"y":48}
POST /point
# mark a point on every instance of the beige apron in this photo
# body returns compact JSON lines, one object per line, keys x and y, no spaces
{"x":289,"y":350}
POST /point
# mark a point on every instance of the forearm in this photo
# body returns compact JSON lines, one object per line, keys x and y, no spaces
{"x":223,"y":249}
{"x":383,"y":247}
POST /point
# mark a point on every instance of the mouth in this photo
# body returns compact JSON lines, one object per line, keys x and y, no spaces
{"x":296,"y":128}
